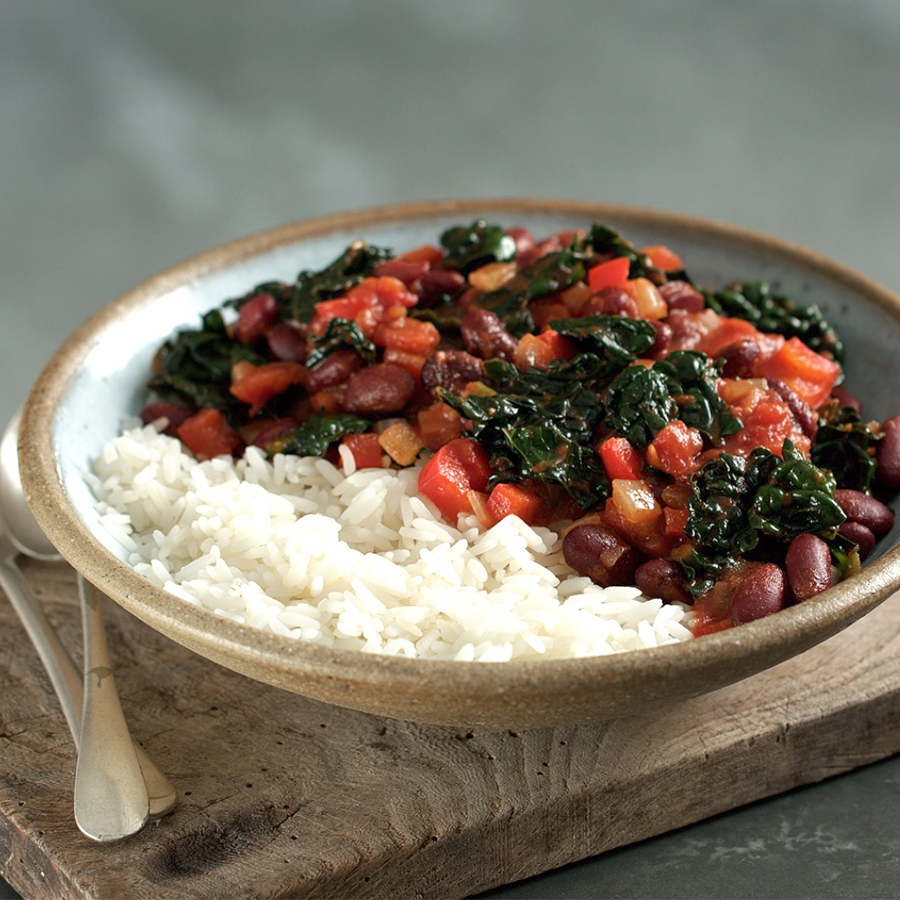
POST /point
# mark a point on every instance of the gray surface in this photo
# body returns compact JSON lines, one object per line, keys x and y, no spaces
{"x":136,"y":134}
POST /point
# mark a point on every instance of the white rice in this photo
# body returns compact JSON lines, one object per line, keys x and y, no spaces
{"x":357,"y":559}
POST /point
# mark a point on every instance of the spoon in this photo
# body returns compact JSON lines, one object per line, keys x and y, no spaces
{"x":19,"y":533}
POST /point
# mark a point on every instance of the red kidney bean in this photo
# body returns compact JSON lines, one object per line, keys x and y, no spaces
{"x":662,"y":340}
{"x":409,"y":271}
{"x":451,"y":369}
{"x":681,"y":295}
{"x":600,"y":554}
{"x":686,"y":332}
{"x":438,"y":286}
{"x":378,"y":390}
{"x":739,"y":358}
{"x":523,"y":237}
{"x":800,"y":409}
{"x":808,"y":566}
{"x":275,"y":429}
{"x":661,"y":578}
{"x":860,"y":535}
{"x":888,"y":454}
{"x":611,"y":301}
{"x":335,"y":369}
{"x":860,"y":507}
{"x":486,"y":336}
{"x":171,"y":411}
{"x":255,"y":317}
{"x":286,"y":342}
{"x":845,"y":398}
{"x":761,"y":593}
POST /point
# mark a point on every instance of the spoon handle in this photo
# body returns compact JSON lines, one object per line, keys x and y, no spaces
{"x":111,"y":799}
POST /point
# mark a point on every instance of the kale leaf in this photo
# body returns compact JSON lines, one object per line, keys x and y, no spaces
{"x":845,"y":445}
{"x":196,"y":366}
{"x":740,"y":505}
{"x":617,"y":340}
{"x":552,"y":272}
{"x":471,"y":246}
{"x":317,"y":433}
{"x":756,"y":302}
{"x":605,"y":241}
{"x":340,"y":333}
{"x":540,"y":425}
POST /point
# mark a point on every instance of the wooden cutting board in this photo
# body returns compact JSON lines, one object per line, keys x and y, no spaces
{"x":286,"y":797}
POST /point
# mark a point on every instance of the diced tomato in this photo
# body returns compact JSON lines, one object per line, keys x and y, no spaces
{"x":726,"y":332}
{"x":676,"y":520}
{"x":704,"y":624}
{"x":427,"y":252}
{"x":328,"y":400}
{"x":408,"y":335}
{"x":649,"y":301}
{"x":514,"y":500}
{"x":662,"y":257}
{"x":260,"y":384}
{"x":373,"y":295}
{"x":366,"y":450}
{"x":809,"y":374}
{"x":611,"y":273}
{"x":561,"y":346}
{"x":620,"y":459}
{"x":207,"y":434}
{"x":457,"y":468}
{"x":531,"y":351}
{"x":412,"y":362}
{"x":438,"y":425}
{"x":676,"y":449}
{"x":766,"y":424}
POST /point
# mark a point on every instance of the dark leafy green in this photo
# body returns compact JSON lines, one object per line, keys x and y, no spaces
{"x":341,"y":333}
{"x":616,"y":340}
{"x":317,"y":434}
{"x":846,"y":445}
{"x":196,"y":366}
{"x":756,"y":302}
{"x":741,"y":505}
{"x":472,"y":246}
{"x":605,"y":241}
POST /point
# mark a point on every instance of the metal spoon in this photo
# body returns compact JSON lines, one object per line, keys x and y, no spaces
{"x":19,"y":533}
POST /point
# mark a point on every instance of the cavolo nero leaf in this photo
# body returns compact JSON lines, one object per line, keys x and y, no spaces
{"x":845,"y":445}
{"x":756,"y":302}
{"x":605,"y":241}
{"x":616,"y":340}
{"x":340,"y":333}
{"x":317,"y":434}
{"x":471,"y":246}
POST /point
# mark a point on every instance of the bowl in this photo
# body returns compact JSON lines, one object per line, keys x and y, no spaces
{"x":96,"y":379}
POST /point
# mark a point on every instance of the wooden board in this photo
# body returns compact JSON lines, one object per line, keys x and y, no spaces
{"x":286,"y":797}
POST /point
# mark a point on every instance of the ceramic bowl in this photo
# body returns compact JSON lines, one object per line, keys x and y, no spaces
{"x":97,"y":378}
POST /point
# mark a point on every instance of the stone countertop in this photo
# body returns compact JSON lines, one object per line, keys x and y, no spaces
{"x":137,"y":134}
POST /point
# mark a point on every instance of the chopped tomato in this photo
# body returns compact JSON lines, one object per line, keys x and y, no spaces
{"x":514,"y":500}
{"x":809,"y":374}
{"x":620,"y":459}
{"x":611,"y":273}
{"x":649,"y":301}
{"x":207,"y":434}
{"x":260,"y":384}
{"x":726,"y":332}
{"x":676,"y":449}
{"x":366,"y":450}
{"x":438,"y":425}
{"x":705,"y":624}
{"x":412,"y":362}
{"x":457,"y":468}
{"x":427,"y":252}
{"x":767,"y":423}
{"x":374,"y":295}
{"x":531,"y":351}
{"x":662,"y":257}
{"x":328,"y":400}
{"x":408,"y":335}
{"x":676,"y":520}
{"x":559,"y":344}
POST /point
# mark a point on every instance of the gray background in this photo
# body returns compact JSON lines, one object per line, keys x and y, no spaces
{"x":133,"y":135}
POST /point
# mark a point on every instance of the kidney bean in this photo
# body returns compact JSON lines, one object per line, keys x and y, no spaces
{"x":800,"y":409}
{"x":686,"y":331}
{"x":255,"y":317}
{"x":451,"y":369}
{"x":681,"y":295}
{"x":661,"y":578}
{"x":486,"y":336}
{"x":171,"y":411}
{"x":761,"y":593}
{"x":662,"y":340}
{"x":378,"y":390}
{"x":438,"y":286}
{"x":808,"y":566}
{"x":847,"y":399}
{"x":739,"y":358}
{"x":860,"y":507}
{"x":523,"y":237}
{"x":335,"y":369}
{"x":409,"y":271}
{"x":286,"y":342}
{"x":888,"y":454}
{"x":600,"y":554}
{"x":860,"y":535}
{"x":611,"y":301}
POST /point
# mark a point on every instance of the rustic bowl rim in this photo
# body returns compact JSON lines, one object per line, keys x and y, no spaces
{"x":358,"y":680}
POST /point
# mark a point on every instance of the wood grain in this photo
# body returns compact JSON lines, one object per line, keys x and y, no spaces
{"x":286,"y":797}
